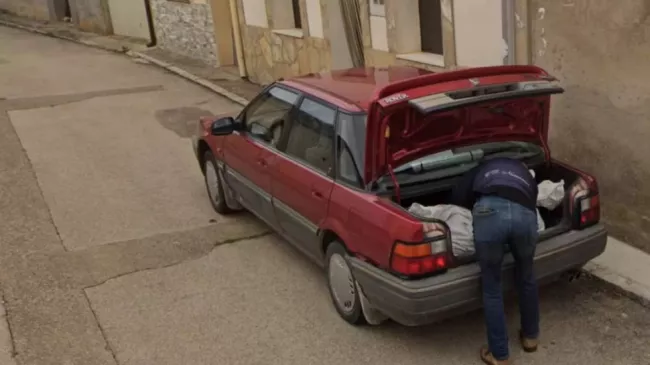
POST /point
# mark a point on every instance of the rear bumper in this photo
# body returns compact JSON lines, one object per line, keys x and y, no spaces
{"x":419,"y":302}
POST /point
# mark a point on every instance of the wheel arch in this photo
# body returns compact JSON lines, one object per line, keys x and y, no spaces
{"x":334,"y":231}
{"x":327,"y":238}
{"x":201,"y":149}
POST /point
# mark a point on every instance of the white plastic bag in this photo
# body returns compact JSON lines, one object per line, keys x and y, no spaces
{"x":540,"y":222}
{"x":550,"y":194}
{"x":459,"y":221}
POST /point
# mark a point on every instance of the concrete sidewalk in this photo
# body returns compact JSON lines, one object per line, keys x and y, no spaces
{"x":621,"y":265}
{"x":624,"y":266}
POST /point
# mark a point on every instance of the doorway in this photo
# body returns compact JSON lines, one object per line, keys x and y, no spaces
{"x":223,"y":32}
{"x":60,"y":10}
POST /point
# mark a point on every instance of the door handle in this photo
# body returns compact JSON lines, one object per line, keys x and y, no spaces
{"x":317,"y":194}
{"x":262,"y":162}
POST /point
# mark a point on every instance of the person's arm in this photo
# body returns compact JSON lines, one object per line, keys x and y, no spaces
{"x":463,"y":193}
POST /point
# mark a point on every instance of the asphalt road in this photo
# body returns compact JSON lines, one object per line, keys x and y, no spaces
{"x":111,"y":254}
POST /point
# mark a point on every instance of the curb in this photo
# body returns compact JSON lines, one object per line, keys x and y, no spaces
{"x":624,"y":267}
{"x":85,"y":42}
{"x":198,"y":80}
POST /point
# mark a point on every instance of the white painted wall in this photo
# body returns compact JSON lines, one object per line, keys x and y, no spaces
{"x":341,"y":58}
{"x":379,"y":33}
{"x":255,"y":13}
{"x":129,"y":18}
{"x":314,"y":18}
{"x":479,"y":32}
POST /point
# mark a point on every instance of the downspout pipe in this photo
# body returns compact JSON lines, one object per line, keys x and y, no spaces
{"x":152,"y":30}
{"x":239,"y":46}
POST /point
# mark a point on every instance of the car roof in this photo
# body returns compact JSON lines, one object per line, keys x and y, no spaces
{"x":352,"y":89}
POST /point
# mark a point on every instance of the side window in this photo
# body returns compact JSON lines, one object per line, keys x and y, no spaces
{"x":311,"y":138}
{"x":267,"y":116}
{"x":347,"y":170}
{"x":351,"y":148}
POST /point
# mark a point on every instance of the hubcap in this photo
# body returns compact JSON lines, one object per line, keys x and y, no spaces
{"x":342,"y":283}
{"x":212,"y":181}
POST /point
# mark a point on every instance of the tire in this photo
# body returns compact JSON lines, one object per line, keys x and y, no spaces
{"x":214,"y":184}
{"x":342,"y":286}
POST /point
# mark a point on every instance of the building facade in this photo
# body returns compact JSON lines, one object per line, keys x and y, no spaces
{"x":443,"y":34}
{"x":285,"y":38}
{"x":120,"y":17}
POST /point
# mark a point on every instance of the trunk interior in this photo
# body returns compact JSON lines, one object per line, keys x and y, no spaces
{"x":556,"y":221}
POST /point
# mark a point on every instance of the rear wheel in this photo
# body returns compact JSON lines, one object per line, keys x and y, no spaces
{"x":214,"y":185}
{"x":342,"y":286}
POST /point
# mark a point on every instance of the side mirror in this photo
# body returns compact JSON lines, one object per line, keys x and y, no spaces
{"x":223,"y":126}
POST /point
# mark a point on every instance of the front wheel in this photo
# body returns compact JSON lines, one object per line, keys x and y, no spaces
{"x":214,"y":185}
{"x":342,"y":285}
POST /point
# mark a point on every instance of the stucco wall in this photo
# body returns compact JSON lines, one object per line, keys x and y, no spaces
{"x":36,"y":9}
{"x":601,"y":52}
{"x":270,"y":56}
{"x":185,"y":29}
{"x":396,"y":10}
{"x":92,"y":15}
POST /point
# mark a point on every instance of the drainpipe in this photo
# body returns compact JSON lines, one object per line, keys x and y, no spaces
{"x":152,"y":30}
{"x":509,"y":35}
{"x":239,"y":46}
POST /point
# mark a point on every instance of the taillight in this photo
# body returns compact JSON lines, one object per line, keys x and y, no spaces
{"x":584,"y":204}
{"x":417,"y":259}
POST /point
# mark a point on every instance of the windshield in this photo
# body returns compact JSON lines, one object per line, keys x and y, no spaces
{"x":470,"y":155}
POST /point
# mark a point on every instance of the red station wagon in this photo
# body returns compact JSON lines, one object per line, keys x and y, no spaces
{"x":332,"y":161}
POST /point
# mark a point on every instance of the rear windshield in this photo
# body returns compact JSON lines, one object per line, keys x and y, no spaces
{"x":456,"y":161}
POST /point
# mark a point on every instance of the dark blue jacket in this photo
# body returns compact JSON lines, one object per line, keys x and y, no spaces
{"x":502,"y":177}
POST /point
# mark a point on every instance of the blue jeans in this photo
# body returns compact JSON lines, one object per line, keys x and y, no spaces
{"x":498,"y":224}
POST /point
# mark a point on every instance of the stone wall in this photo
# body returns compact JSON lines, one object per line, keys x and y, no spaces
{"x":185,"y":29}
{"x":92,"y":15}
{"x":35,"y":9}
{"x":270,"y":56}
{"x":600,"y":51}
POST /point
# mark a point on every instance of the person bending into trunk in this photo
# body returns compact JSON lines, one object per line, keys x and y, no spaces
{"x":502,"y":195}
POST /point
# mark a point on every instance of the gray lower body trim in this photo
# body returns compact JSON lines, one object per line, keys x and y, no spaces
{"x":252,"y":197}
{"x":291,"y":214}
{"x":419,"y":302}
{"x":298,"y":230}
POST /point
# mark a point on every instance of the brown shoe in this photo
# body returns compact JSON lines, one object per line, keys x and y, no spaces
{"x":489,"y":359}
{"x":528,"y":344}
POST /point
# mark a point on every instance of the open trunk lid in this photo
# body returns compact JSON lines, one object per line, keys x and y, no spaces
{"x":421,"y":116}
